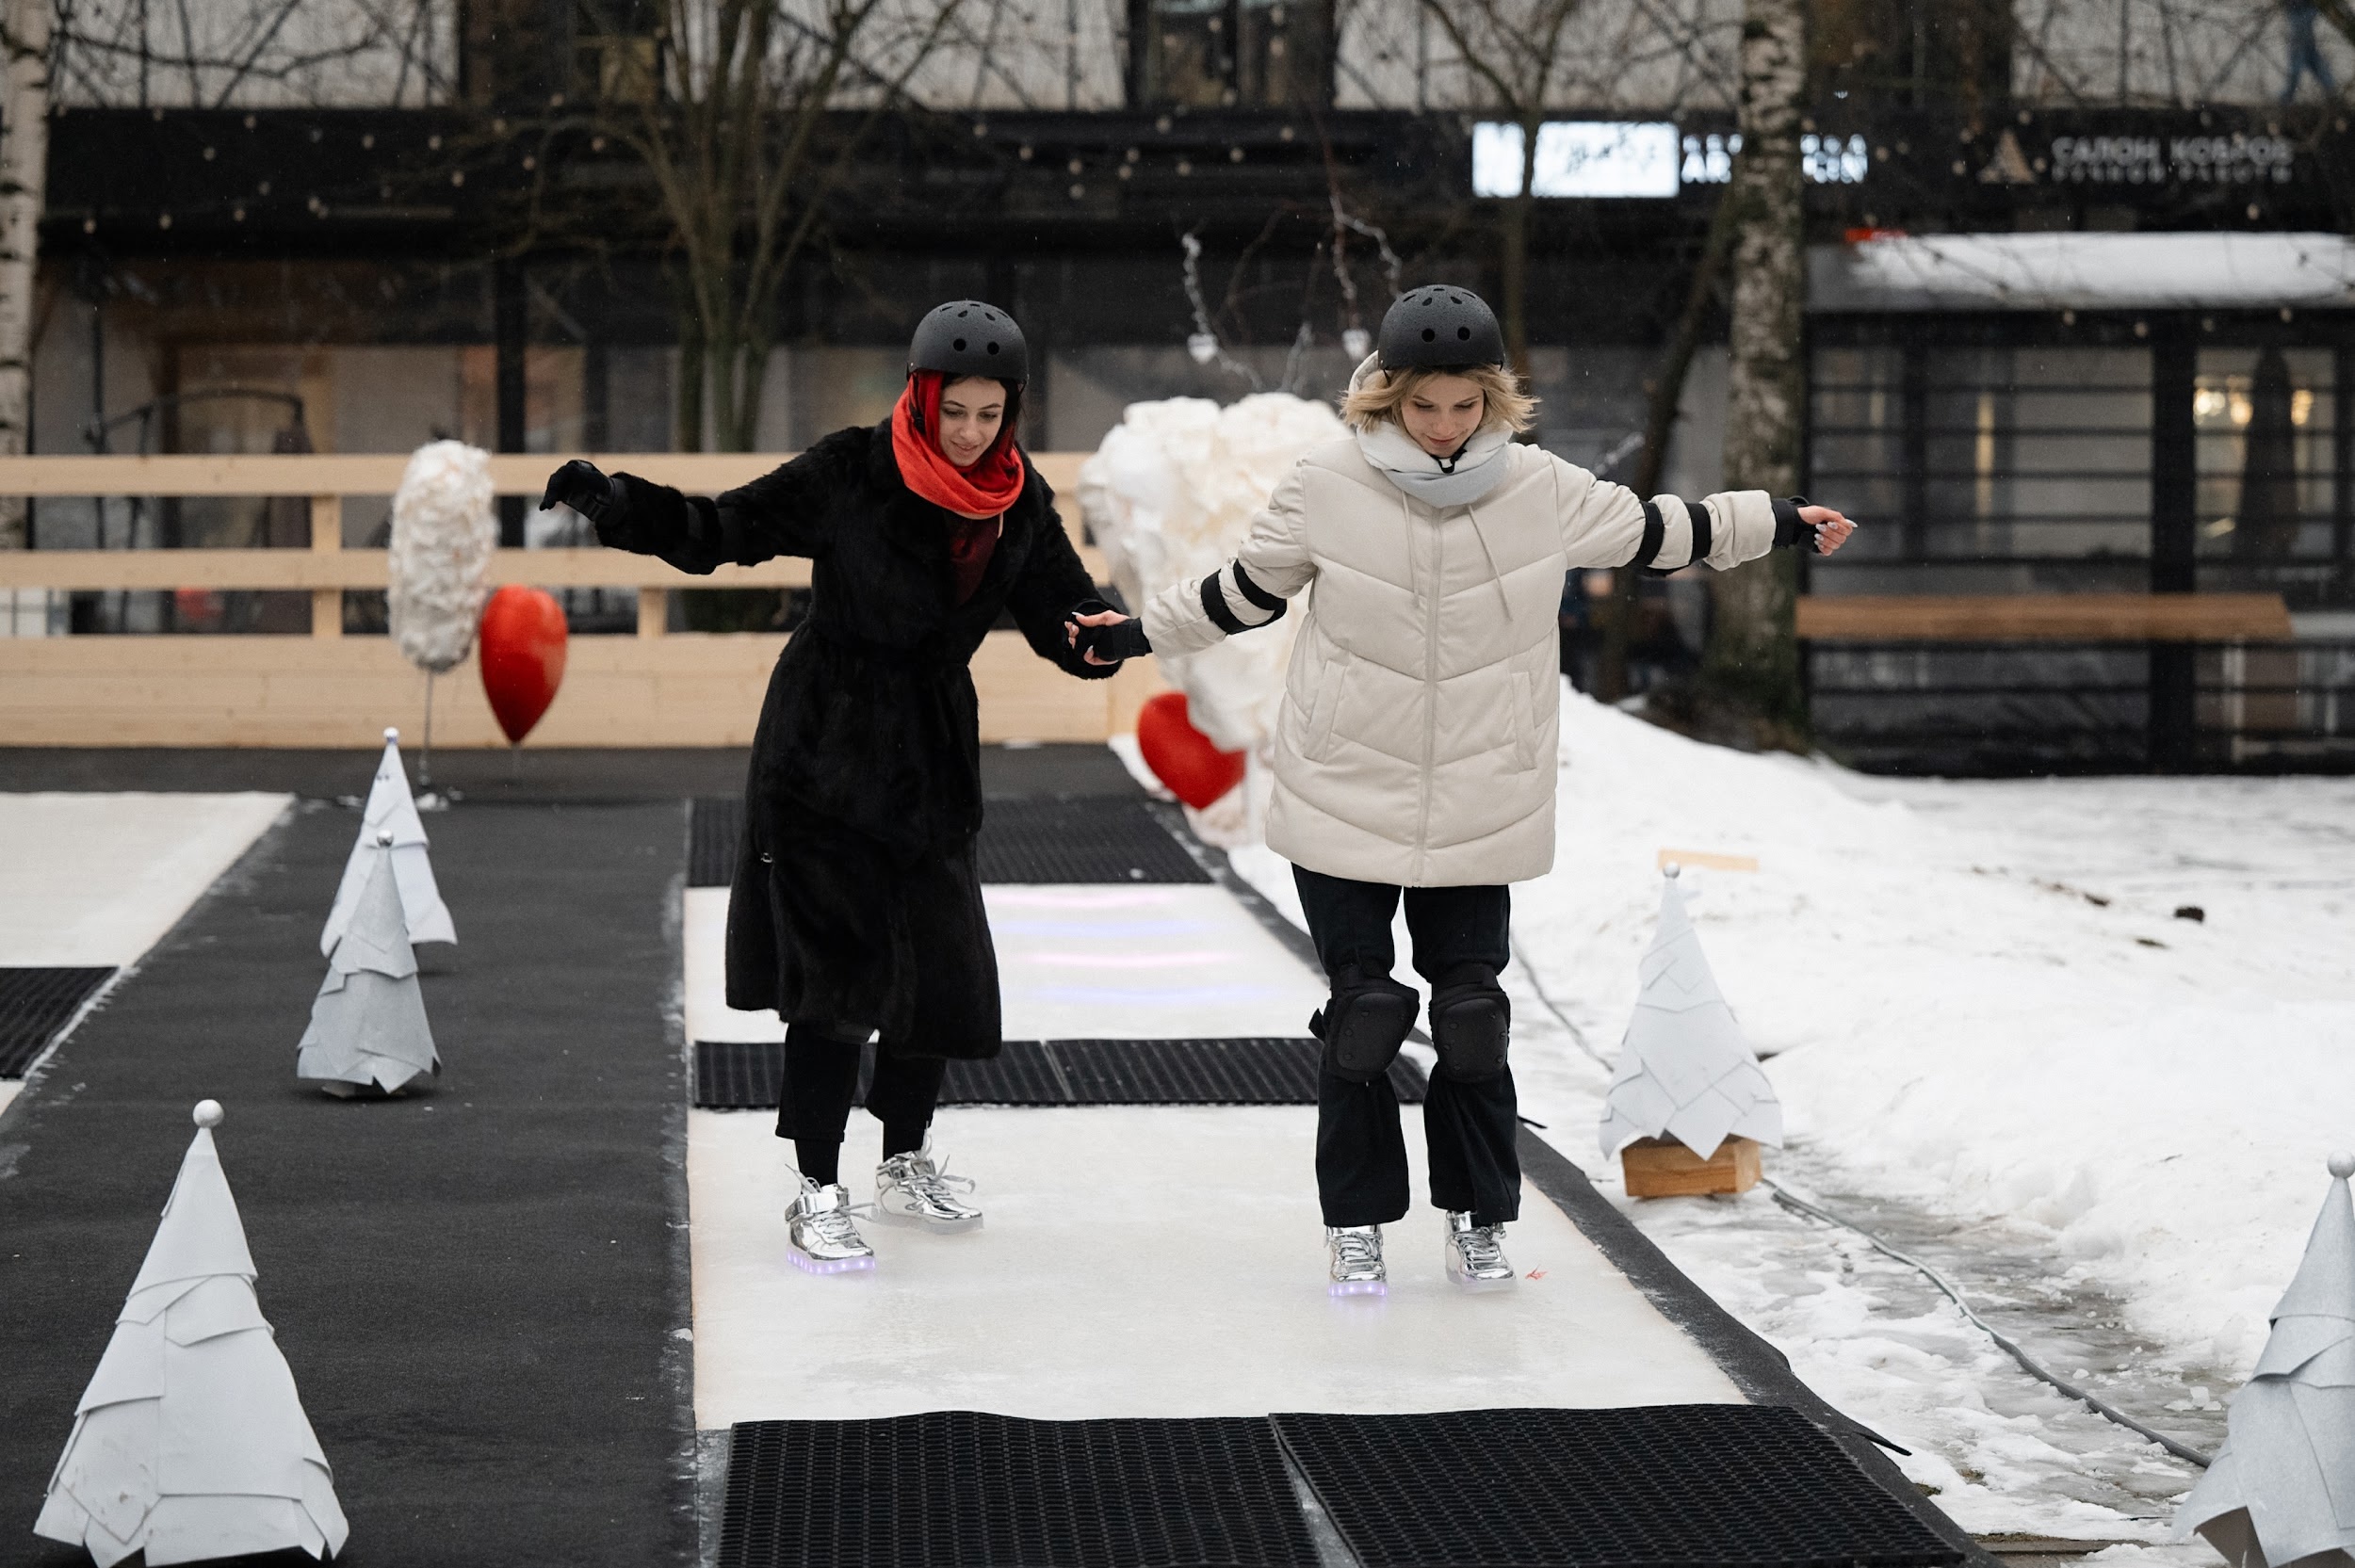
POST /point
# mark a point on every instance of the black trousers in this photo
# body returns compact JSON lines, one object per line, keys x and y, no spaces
{"x":821,"y":1080}
{"x":1470,"y":1129}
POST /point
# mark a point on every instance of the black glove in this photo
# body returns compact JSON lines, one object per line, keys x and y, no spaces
{"x":1789,"y":528}
{"x":1123,"y":639}
{"x":584,"y":486}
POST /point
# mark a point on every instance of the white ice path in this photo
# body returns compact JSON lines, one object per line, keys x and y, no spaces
{"x":90,"y":880}
{"x":1992,"y":1034}
{"x":1137,"y":1261}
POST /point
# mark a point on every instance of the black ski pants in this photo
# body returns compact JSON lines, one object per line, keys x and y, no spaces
{"x":1470,"y":1129}
{"x":820,"y":1082}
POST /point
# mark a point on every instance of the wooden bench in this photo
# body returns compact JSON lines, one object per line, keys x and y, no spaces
{"x":2044,"y":618}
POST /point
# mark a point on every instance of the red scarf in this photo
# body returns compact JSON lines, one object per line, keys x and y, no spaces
{"x":978,"y":494}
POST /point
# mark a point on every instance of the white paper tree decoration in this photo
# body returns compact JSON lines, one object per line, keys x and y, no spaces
{"x":190,"y":1442}
{"x":2278,"y":1491}
{"x":1684,"y":1071}
{"x":368,"y":1028}
{"x":391,"y":808}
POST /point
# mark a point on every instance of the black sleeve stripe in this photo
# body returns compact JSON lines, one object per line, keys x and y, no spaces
{"x":1215,"y":605}
{"x":1701,"y":531}
{"x":1655,"y":534}
{"x":1260,"y":596}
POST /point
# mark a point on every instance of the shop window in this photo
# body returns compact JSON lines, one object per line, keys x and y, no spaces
{"x":2031,"y":463}
{"x":2265,"y":419}
{"x":1258,"y":53}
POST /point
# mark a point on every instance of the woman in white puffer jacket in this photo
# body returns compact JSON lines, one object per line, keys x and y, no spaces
{"x":1416,"y":751}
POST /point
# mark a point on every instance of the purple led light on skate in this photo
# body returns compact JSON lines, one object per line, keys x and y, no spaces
{"x":809,"y":1265}
{"x":1358,"y":1287}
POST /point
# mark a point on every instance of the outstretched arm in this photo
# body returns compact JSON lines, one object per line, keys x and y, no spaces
{"x":1608,"y":524}
{"x":1249,"y":591}
{"x":784,"y":512}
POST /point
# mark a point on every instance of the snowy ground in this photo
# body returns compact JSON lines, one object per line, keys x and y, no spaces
{"x":1996,"y":1043}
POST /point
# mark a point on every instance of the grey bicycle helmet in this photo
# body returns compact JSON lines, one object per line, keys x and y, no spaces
{"x":966,"y":337}
{"x":1439,"y":326}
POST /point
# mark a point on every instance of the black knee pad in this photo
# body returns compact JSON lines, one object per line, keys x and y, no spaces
{"x":1363,"y":1027}
{"x":1471,"y":1024}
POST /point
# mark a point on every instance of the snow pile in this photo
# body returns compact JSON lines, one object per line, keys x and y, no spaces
{"x":439,"y":559}
{"x":2001,"y":1016}
{"x":1169,"y":495}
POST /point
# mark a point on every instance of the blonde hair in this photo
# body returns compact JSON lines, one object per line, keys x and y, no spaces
{"x":1385,"y":393}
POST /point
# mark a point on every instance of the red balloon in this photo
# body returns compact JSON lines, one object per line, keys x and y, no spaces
{"x":523,"y":657}
{"x":1181,"y":756}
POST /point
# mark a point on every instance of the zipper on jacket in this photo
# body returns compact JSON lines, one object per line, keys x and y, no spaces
{"x":1430,"y":686}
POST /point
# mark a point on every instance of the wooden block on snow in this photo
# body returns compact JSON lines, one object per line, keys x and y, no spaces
{"x":1663,"y":1168}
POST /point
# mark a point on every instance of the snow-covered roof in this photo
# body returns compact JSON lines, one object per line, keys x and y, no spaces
{"x":2072,"y":271}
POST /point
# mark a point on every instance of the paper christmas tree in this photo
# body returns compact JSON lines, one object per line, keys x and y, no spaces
{"x":391,"y":808}
{"x":2279,"y":1490}
{"x":1684,"y":1070}
{"x":368,"y":1024}
{"x":190,"y":1442}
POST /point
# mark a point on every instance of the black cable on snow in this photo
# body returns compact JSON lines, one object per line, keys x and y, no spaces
{"x":1578,"y":1036}
{"x":2028,"y":1364}
{"x":1952,"y":1292}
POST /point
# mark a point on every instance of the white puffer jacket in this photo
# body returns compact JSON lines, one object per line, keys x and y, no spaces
{"x":1422,"y":709}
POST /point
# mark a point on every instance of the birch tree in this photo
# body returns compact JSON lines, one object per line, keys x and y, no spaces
{"x":25,"y":34}
{"x":1748,"y":688}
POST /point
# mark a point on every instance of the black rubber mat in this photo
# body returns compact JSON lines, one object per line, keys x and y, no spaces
{"x":1244,"y":1072}
{"x":1725,"y":1486}
{"x":958,"y":1489}
{"x":34,"y":1004}
{"x":713,"y":824}
{"x":748,"y":1076}
{"x":1079,"y":840}
{"x":1087,"y":839}
{"x":525,"y":1266}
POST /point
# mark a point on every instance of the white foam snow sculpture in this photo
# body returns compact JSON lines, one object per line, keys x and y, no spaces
{"x":190,"y":1442}
{"x":1684,"y":1071}
{"x":444,"y":538}
{"x":368,"y":1024}
{"x":2280,"y":1491}
{"x":392,"y":809}
{"x":1168,"y":495}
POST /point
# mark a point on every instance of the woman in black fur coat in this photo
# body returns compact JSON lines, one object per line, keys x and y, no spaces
{"x":856,"y":908}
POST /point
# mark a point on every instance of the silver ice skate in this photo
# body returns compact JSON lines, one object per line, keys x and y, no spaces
{"x":1357,"y":1260}
{"x":820,"y":1236}
{"x":910,"y":1190}
{"x":1475,"y":1254}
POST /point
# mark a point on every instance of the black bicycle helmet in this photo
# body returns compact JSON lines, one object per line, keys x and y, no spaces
{"x":966,"y":337}
{"x":1439,"y":326}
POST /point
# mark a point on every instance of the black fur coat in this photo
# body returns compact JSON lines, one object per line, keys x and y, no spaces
{"x":855,"y":905}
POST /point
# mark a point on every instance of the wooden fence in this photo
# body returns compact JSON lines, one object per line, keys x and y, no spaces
{"x":656,"y":689}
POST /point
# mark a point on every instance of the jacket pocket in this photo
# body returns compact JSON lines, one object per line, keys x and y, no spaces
{"x":1319,"y":746}
{"x":1523,"y":703}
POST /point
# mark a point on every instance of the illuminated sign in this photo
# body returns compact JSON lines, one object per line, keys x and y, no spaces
{"x":1578,"y":157}
{"x":1612,"y":158}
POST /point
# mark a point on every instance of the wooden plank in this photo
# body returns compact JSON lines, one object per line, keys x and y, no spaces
{"x":1703,"y":859}
{"x":589,"y":567}
{"x":1664,"y":1168}
{"x":689,"y":689}
{"x":378,"y":473}
{"x":2044,"y":618}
